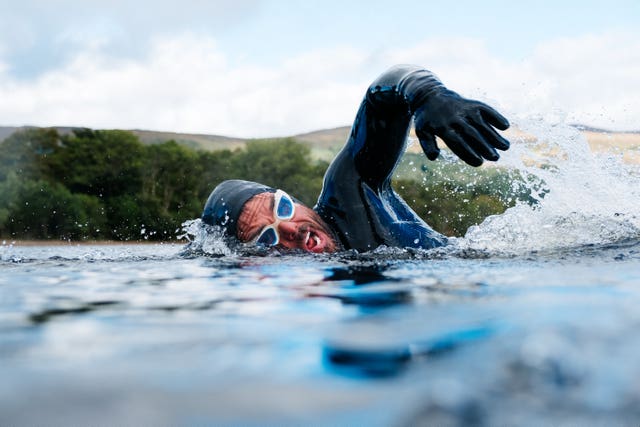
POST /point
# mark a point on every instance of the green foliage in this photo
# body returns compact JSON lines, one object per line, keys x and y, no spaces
{"x":283,"y":164}
{"x":101,"y":163}
{"x":92,"y":184}
{"x":446,"y":207}
{"x":25,"y":153}
{"x":42,"y":210}
{"x":131,"y":217}
{"x":106,"y":184}
{"x":170,"y":176}
{"x":452,"y":196}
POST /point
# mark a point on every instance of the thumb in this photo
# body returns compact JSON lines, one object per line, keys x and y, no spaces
{"x":428,"y":144}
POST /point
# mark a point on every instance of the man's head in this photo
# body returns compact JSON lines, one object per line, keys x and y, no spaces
{"x":255,"y":213}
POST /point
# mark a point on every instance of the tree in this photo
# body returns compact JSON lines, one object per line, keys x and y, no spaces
{"x":170,"y":176}
{"x":212,"y":168}
{"x":282,"y":163}
{"x":26,"y":153}
{"x":102,"y":163}
{"x":44,"y":210}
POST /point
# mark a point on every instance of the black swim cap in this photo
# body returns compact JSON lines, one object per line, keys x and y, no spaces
{"x":225,"y":203}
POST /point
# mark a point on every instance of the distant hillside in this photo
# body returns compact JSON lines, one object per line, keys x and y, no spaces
{"x":196,"y":141}
{"x":192,"y":140}
{"x":6,"y":131}
{"x":326,"y":143}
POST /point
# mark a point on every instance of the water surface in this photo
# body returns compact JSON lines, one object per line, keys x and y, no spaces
{"x":141,"y":334}
{"x":531,"y":319}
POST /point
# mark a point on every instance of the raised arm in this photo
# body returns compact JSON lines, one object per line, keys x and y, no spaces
{"x":379,"y":133}
{"x":357,"y":198}
{"x":378,"y":136}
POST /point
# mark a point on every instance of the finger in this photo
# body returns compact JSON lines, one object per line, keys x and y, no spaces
{"x":476,"y":140}
{"x":493,"y":117}
{"x":493,"y":137}
{"x":460,"y":148}
{"x":428,"y":144}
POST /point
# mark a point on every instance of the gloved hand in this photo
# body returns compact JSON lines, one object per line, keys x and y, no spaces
{"x":465,"y":125}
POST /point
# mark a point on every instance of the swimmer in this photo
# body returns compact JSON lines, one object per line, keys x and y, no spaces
{"x":357,"y":208}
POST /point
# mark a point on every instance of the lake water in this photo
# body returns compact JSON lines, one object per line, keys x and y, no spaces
{"x":532,"y":318}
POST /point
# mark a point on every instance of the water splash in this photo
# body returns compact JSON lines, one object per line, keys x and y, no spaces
{"x":204,"y":239}
{"x":570,"y":197}
{"x":582,"y":197}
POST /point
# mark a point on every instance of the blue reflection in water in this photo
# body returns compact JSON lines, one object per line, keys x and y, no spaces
{"x":143,"y":335}
{"x":391,"y":361}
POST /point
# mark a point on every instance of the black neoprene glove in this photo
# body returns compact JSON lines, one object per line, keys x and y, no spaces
{"x":465,"y":125}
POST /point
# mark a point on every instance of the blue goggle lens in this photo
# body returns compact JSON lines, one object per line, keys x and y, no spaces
{"x":284,"y":210}
{"x":269,"y":237}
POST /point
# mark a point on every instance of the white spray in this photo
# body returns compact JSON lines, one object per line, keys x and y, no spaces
{"x":588,"y":198}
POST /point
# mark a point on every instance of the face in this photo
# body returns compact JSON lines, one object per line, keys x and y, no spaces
{"x":304,"y":230}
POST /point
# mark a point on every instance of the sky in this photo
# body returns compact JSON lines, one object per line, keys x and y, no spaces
{"x":264,"y":68}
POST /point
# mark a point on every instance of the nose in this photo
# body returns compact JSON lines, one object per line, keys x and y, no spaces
{"x":288,"y":231}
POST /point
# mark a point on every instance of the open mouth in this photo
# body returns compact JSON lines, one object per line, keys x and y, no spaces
{"x":312,"y":241}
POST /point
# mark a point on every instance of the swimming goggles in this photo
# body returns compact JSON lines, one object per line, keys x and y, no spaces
{"x":283,"y":210}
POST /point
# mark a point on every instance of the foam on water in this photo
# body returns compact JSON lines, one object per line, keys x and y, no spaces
{"x":583,"y":197}
{"x":204,"y":239}
{"x":138,"y":334}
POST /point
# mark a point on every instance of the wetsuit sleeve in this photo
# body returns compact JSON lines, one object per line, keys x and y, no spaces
{"x":357,"y":200}
{"x":379,"y":133}
{"x":406,"y":92}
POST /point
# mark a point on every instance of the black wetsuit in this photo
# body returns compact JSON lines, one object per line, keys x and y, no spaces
{"x":357,"y":200}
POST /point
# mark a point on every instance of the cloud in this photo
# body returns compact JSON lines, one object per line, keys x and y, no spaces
{"x":40,"y":36}
{"x":594,"y":79}
{"x":187,"y":83}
